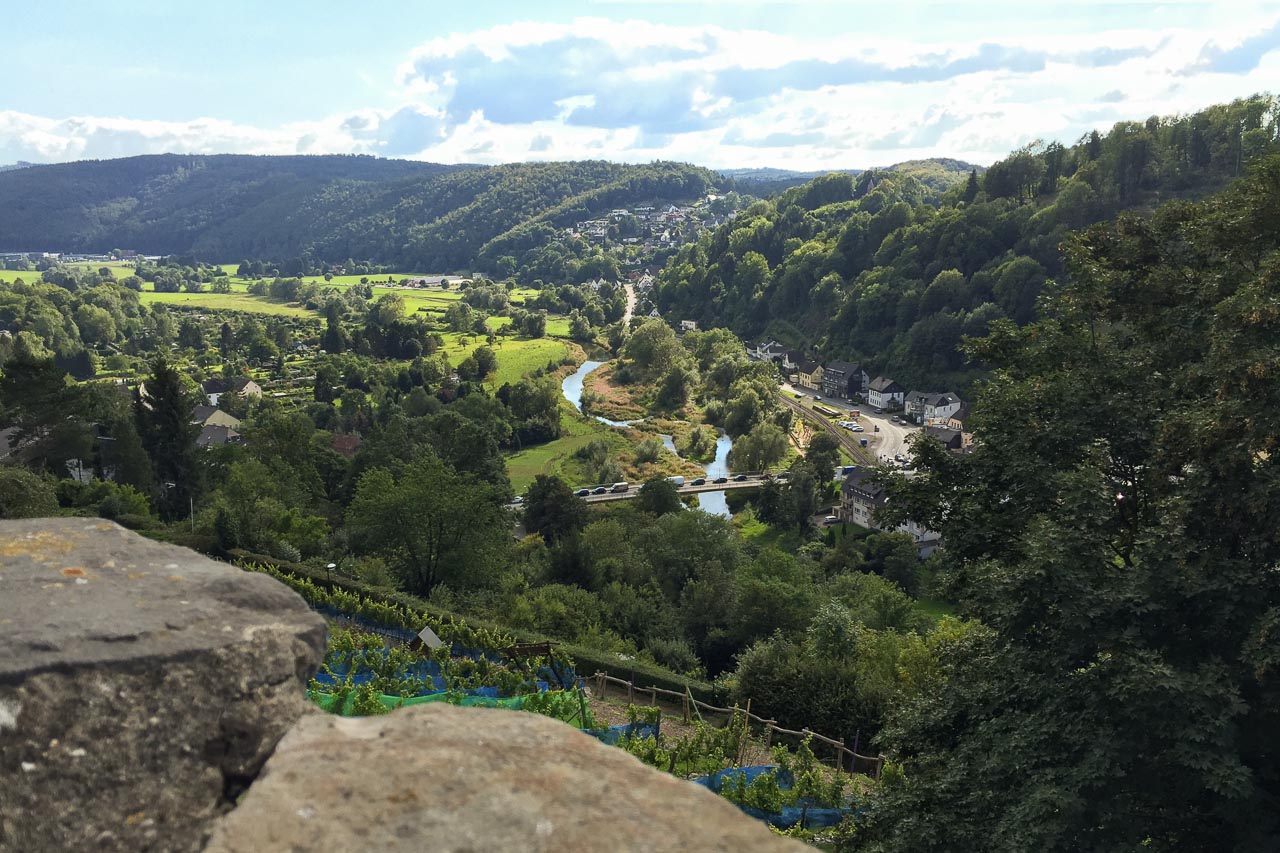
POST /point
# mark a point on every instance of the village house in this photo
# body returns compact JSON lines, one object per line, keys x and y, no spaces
{"x":957,"y":422}
{"x":884,"y":393}
{"x":212,"y":416}
{"x":950,"y":438}
{"x":931,"y":407}
{"x":860,"y":498}
{"x":688,"y":326}
{"x":843,"y":380}
{"x":809,"y":375}
{"x":216,"y":435}
{"x":240,"y":387}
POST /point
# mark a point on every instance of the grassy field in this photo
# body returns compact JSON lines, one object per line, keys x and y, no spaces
{"x":225,"y":302}
{"x":551,"y":457}
{"x":519,"y":357}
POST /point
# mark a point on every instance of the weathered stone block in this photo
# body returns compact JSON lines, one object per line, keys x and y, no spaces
{"x":142,"y":686}
{"x":435,"y":777}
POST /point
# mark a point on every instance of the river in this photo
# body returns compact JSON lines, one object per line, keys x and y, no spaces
{"x":712,"y":502}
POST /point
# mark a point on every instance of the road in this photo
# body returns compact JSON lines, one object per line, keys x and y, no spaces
{"x":631,"y":305}
{"x":752,"y":483}
{"x":890,"y":441}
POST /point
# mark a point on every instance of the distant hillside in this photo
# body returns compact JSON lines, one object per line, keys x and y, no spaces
{"x":940,"y":172}
{"x":21,"y":164}
{"x":226,"y":207}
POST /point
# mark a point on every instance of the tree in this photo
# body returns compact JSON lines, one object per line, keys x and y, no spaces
{"x":1114,"y":531}
{"x":659,"y":496}
{"x":653,"y":347}
{"x":823,"y":453}
{"x":760,"y":448}
{"x":163,"y":414}
{"x":970,"y":187}
{"x":551,"y":509}
{"x":432,"y":525}
{"x":486,"y":362}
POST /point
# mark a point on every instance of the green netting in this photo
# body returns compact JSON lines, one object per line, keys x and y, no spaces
{"x":329,"y":702}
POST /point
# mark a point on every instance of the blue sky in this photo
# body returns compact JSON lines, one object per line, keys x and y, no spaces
{"x":806,"y":85}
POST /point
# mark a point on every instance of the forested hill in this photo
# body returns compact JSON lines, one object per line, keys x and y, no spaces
{"x":939,"y":172}
{"x":415,"y":215}
{"x":871,"y":268}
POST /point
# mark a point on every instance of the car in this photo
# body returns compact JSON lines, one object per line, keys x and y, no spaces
{"x":879,"y":411}
{"x":784,"y":475}
{"x":830,"y":520}
{"x":600,"y":490}
{"x":721,"y":480}
{"x":817,"y":396}
{"x":740,"y":478}
{"x":899,"y":458}
{"x":581,"y":493}
{"x":517,"y":500}
{"x":701,"y":481}
{"x":798,"y":396}
{"x":766,"y":476}
{"x":856,"y":428}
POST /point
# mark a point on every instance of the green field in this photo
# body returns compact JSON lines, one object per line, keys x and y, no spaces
{"x":519,"y":357}
{"x":225,"y":302}
{"x":576,"y":432}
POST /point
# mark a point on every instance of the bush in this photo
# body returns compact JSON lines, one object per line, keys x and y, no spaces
{"x":24,"y":494}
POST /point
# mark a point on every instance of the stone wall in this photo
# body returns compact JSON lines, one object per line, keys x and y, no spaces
{"x":143,"y":688}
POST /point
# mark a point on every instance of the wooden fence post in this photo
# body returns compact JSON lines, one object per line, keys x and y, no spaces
{"x":685,"y":703}
{"x":840,"y":755}
{"x":631,"y":689}
{"x":768,"y":735}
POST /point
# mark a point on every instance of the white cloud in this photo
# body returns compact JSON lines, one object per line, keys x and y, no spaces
{"x":632,"y":90}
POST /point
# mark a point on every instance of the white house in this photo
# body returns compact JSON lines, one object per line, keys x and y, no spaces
{"x":931,"y":407}
{"x":688,"y":325}
{"x":859,"y":500}
{"x":884,"y":393}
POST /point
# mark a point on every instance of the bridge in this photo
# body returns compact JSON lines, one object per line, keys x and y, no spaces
{"x":753,"y":481}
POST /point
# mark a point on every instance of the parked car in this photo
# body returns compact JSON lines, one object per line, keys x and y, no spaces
{"x":721,"y":480}
{"x":517,"y":500}
{"x":784,"y":475}
{"x":581,"y":493}
{"x":856,"y":428}
{"x":831,"y":519}
{"x":600,"y":490}
{"x":879,"y":411}
{"x":701,"y":481}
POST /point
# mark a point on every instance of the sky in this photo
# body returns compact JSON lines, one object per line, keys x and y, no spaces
{"x":824,"y":84}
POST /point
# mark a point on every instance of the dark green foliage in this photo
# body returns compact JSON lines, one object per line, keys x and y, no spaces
{"x":24,"y":494}
{"x":850,"y":269}
{"x":659,"y":496}
{"x":1115,"y":530}
{"x":551,"y":510}
{"x":163,"y":415}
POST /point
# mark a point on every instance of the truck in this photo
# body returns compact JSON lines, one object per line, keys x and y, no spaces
{"x":620,"y":487}
{"x":677,"y":481}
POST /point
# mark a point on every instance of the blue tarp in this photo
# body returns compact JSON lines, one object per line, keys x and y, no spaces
{"x":615,"y":734}
{"x":812,"y":816}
